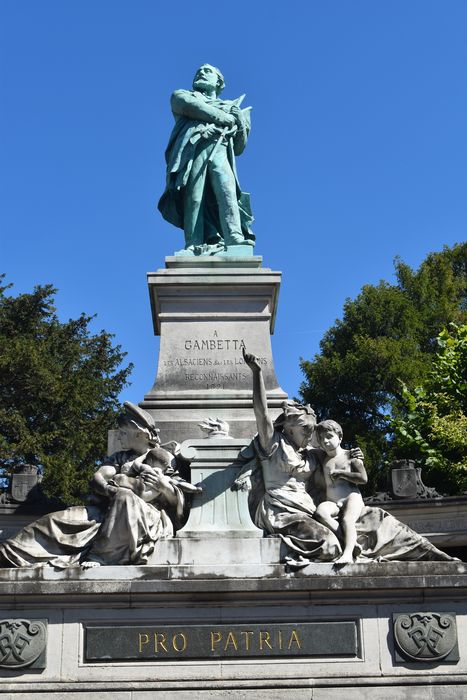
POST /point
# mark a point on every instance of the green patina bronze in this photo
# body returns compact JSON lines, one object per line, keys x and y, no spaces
{"x":202,"y":194}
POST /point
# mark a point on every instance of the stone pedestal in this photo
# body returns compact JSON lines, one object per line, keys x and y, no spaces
{"x":170,"y":633}
{"x":206,"y":309}
{"x":220,"y":510}
{"x":219,"y":535}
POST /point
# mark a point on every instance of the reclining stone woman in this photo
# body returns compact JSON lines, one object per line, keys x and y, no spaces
{"x":287,"y":481}
{"x":142,"y":496}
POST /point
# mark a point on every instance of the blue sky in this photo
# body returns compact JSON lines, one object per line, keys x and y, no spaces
{"x":357,"y":153}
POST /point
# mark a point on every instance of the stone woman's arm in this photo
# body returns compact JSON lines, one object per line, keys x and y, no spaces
{"x":243,"y":480}
{"x":260,"y":405}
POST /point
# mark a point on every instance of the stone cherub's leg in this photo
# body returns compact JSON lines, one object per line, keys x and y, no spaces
{"x":225,"y":189}
{"x":326,"y":513}
{"x":351,"y":510}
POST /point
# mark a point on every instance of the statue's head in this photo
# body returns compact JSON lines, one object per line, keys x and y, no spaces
{"x":208,"y":76}
{"x":138,"y":427}
{"x":297,"y":422}
{"x":329,"y":434}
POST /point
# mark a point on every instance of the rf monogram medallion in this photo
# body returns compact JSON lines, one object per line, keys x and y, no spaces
{"x":22,"y":643}
{"x":426,"y":636}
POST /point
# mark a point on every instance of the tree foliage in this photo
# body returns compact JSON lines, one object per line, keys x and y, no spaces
{"x":59,"y":388}
{"x":386,"y":335}
{"x":430,"y":424}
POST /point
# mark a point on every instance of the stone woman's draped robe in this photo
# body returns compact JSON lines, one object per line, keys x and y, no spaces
{"x":122,"y":531}
{"x":288,"y":485}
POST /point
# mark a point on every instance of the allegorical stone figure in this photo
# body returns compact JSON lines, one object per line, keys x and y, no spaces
{"x":289,"y":483}
{"x":141,"y":497}
{"x":202,"y":194}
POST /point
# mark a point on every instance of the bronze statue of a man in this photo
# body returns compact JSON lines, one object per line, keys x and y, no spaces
{"x":202,"y":194}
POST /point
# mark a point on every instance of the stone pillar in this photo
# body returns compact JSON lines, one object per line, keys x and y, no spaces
{"x":219,"y":535}
{"x":205,"y":309}
{"x":219,"y":511}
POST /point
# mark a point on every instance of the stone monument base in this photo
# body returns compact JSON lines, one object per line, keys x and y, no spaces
{"x":198,"y":556}
{"x":138,"y":633}
{"x":206,"y":311}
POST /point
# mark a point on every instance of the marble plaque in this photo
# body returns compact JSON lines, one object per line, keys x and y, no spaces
{"x":208,"y":357}
{"x":151,"y":642}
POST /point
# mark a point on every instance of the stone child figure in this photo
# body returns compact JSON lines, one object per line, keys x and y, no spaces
{"x":342,"y":472}
{"x":146,"y":475}
{"x":202,"y":194}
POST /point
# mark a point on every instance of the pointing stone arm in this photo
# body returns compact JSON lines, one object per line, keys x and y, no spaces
{"x":260,"y":406}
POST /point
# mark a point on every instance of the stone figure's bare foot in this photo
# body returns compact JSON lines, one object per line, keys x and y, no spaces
{"x":89,"y":564}
{"x":345,"y":559}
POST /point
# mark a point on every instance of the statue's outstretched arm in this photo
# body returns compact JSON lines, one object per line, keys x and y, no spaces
{"x":260,"y":405}
{"x":185,"y":104}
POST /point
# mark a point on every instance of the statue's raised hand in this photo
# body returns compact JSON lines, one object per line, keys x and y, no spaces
{"x":251,"y":361}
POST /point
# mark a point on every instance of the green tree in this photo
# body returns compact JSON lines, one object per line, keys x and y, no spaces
{"x":387,"y":334}
{"x":59,"y":388}
{"x":430,"y":424}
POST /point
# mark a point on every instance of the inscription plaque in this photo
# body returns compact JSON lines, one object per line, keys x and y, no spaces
{"x":152,"y":642}
{"x":206,"y":360}
{"x":206,"y":311}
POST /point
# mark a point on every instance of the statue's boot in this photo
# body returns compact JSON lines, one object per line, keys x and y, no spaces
{"x":190,"y":250}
